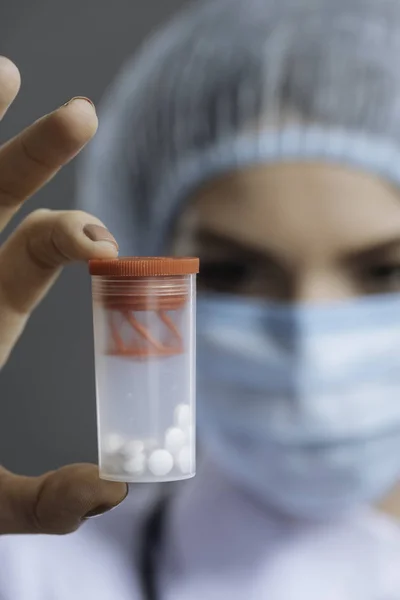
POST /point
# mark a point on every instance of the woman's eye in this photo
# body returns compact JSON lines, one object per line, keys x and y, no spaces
{"x":223,"y":276}
{"x":385,"y":276}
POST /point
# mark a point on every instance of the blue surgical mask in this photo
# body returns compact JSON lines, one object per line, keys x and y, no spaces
{"x":301,"y":404}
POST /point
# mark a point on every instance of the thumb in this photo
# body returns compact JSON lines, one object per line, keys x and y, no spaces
{"x":57,"y":502}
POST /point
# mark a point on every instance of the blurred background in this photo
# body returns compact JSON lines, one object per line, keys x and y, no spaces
{"x":62,"y":49}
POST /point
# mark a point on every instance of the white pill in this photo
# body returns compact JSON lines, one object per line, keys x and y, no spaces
{"x":113,"y":442}
{"x":185,"y":460}
{"x":183,"y":416}
{"x":136,"y":465}
{"x":160,"y":462}
{"x":133,"y":448}
{"x":174,"y":439}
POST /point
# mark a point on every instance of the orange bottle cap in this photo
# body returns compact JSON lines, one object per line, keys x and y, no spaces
{"x":150,"y":266}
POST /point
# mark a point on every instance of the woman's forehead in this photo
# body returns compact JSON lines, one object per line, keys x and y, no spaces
{"x":295,"y":208}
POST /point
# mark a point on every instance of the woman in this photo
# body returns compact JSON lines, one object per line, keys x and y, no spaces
{"x":262,"y":137}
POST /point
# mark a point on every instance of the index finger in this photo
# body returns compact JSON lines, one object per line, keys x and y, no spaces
{"x":33,"y":157}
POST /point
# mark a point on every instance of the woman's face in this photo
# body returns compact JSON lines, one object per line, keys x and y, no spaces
{"x":294,"y":233}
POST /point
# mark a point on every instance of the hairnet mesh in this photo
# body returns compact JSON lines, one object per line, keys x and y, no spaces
{"x":231,"y":82}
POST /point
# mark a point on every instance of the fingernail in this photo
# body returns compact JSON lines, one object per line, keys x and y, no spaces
{"x":80,"y":98}
{"x":97,"y":233}
{"x":101,"y":510}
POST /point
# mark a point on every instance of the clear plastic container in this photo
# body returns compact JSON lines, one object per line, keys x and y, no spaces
{"x":144,"y":334}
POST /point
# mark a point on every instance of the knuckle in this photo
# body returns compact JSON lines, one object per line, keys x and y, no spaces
{"x":32,"y":158}
{"x":53,"y":512}
{"x":9,"y":198}
{"x":42,"y":245}
{"x":61,"y":241}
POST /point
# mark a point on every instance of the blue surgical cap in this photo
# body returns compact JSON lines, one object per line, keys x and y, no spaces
{"x":232,"y":83}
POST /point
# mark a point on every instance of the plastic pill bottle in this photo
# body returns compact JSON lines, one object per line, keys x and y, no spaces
{"x":145,"y":361}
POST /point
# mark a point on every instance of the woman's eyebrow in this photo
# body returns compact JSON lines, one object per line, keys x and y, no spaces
{"x":374,"y":250}
{"x":212,"y":240}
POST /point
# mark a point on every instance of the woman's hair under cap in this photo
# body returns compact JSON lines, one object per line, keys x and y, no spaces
{"x":229,"y":83}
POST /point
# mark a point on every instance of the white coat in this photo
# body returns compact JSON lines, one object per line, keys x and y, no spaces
{"x":218,"y":545}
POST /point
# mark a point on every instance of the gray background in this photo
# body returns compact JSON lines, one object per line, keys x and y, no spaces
{"x":62,"y":49}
